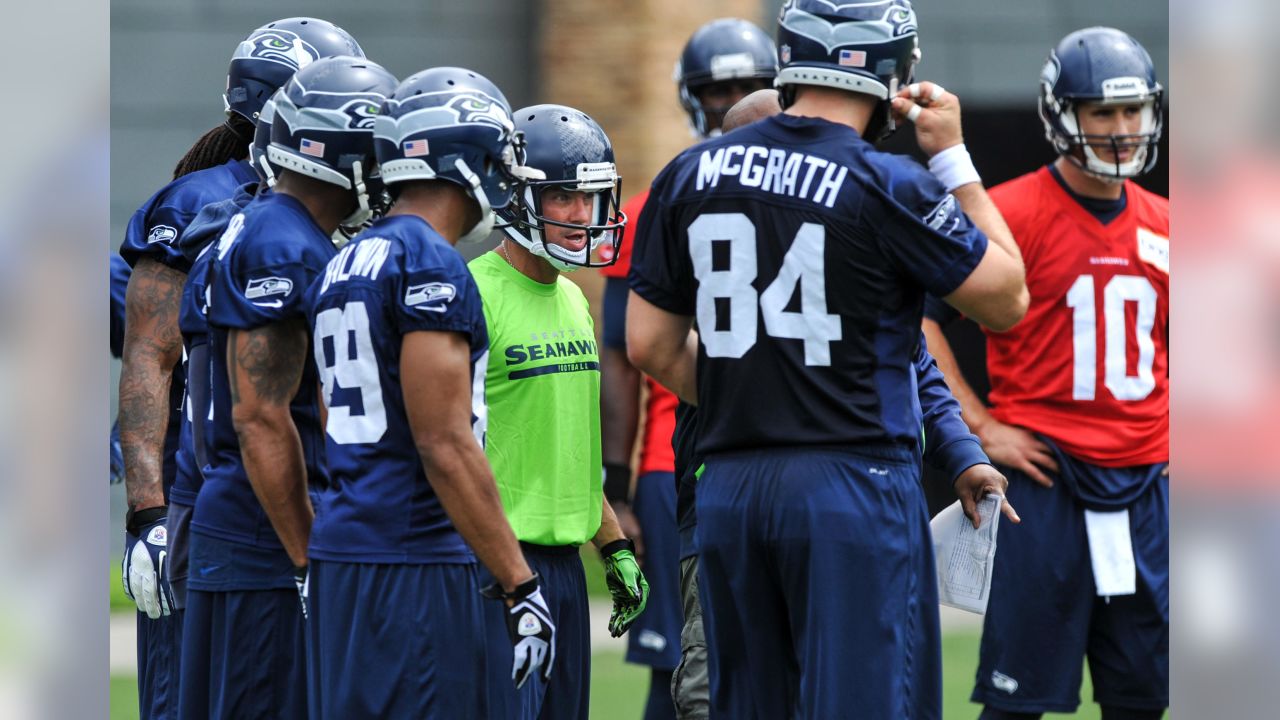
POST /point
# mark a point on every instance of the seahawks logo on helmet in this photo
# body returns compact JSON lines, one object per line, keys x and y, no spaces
{"x":280,"y":46}
{"x":897,"y":21}
{"x":477,"y":109}
{"x":362,"y":112}
{"x":902,"y":19}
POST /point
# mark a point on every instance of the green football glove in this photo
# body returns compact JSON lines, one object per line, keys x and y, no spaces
{"x":627,"y":585}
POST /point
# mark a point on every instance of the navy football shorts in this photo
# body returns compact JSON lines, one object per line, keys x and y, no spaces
{"x":654,"y":639}
{"x":159,"y":658}
{"x":243,"y":650}
{"x":566,"y":696}
{"x":1044,"y":615}
{"x":818,"y":585}
{"x":398,"y":641}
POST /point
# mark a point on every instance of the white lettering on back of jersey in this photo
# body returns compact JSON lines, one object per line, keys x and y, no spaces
{"x":362,"y":259}
{"x":774,"y":170}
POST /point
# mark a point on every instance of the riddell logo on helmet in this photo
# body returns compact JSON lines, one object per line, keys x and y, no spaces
{"x":1122,"y":87}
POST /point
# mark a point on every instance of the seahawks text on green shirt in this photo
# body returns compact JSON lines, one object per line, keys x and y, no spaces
{"x":543,"y":393}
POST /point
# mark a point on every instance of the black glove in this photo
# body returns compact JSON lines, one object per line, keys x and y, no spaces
{"x":533,"y":635}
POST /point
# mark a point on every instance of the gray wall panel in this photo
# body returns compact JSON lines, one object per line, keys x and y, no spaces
{"x":169,"y":57}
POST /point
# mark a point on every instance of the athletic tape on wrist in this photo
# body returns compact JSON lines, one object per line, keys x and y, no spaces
{"x":953,"y":167}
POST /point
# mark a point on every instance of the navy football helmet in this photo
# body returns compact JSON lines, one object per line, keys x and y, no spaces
{"x":863,"y":47}
{"x":451,"y":124}
{"x":262,"y":140}
{"x":1104,"y":66}
{"x":721,"y":50}
{"x":266,"y":59}
{"x":565,"y":148}
{"x":323,"y":127}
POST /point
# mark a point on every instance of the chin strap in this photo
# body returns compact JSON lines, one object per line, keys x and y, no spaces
{"x":363,"y":212}
{"x":482,"y":228}
{"x":267,"y":172}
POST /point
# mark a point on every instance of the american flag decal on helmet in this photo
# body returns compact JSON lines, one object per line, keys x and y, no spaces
{"x":415,"y":148}
{"x":312,"y":148}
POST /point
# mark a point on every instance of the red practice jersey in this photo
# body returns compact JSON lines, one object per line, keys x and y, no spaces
{"x":1089,"y":364}
{"x":656,"y":454}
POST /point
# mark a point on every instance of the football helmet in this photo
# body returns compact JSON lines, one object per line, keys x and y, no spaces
{"x":866,"y":47}
{"x":323,"y":127}
{"x":266,"y":59}
{"x":565,"y":148}
{"x":1105,"y":66}
{"x":724,"y":49}
{"x":451,"y":124}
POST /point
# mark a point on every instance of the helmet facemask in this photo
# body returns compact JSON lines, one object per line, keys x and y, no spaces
{"x":1078,"y":147}
{"x":529,"y":224}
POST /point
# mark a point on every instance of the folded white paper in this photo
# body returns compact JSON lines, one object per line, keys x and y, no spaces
{"x":1111,"y":550}
{"x":965,"y":556}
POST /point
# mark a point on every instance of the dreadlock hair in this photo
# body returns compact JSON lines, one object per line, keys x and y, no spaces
{"x":228,"y":141}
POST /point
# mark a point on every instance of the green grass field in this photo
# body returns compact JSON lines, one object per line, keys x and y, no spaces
{"x":618,"y":690}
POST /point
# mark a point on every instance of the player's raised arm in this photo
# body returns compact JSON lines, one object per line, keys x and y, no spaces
{"x":995,"y":293}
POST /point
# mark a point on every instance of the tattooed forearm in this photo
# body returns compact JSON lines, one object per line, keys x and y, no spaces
{"x":152,"y":347}
{"x":267,"y":362}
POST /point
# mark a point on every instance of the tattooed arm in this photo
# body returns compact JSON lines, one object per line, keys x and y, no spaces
{"x":152,"y":347}
{"x":265,"y":367}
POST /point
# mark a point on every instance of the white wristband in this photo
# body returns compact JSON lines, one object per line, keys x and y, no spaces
{"x":953,"y":167}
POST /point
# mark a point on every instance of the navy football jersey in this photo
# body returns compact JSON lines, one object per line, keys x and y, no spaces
{"x":258,"y":274}
{"x":153,"y":232}
{"x":804,"y":254}
{"x":397,"y":277}
{"x":198,"y":241}
{"x":154,"y":228}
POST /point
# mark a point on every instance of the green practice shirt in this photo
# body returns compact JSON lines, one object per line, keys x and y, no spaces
{"x":543,"y":393}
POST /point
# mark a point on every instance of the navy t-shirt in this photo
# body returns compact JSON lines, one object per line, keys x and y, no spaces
{"x":397,"y":277}
{"x":259,"y":273}
{"x":805,"y":255}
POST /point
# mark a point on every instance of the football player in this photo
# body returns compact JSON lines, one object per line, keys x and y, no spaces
{"x":722,"y":62}
{"x":195,"y":245}
{"x":543,"y":387}
{"x":1080,"y":402}
{"x":252,"y":517}
{"x":152,"y":379}
{"x":810,"y":512}
{"x":401,"y":344}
